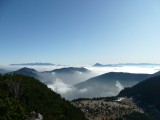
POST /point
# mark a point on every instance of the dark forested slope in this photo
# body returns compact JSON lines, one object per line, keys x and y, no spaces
{"x":147,"y":91}
{"x":20,"y":95}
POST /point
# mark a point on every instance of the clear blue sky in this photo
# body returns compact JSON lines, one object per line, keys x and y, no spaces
{"x":79,"y":31}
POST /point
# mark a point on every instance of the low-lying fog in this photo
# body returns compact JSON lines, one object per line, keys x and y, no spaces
{"x":64,"y":83}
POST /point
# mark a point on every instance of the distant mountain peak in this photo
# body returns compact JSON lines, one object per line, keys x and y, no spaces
{"x":27,"y":69}
{"x":98,"y":64}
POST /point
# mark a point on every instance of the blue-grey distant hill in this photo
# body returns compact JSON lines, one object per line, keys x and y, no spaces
{"x":69,"y":70}
{"x":32,"y":64}
{"x":70,"y":75}
{"x":2,"y":71}
{"x":26,"y":71}
{"x":126,"y":79}
{"x":125,"y":64}
{"x":109,"y":84}
{"x":107,"y":65}
{"x":44,"y":78}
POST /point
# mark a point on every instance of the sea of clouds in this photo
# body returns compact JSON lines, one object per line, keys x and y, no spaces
{"x":64,"y":84}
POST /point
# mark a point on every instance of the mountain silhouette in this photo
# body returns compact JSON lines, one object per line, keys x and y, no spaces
{"x":109,"y":84}
{"x":26,"y":71}
{"x":69,"y":70}
{"x":127,"y":79}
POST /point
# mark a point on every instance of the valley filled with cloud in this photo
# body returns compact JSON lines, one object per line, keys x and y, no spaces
{"x":68,"y":80}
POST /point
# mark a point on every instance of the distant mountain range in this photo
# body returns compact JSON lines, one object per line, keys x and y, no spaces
{"x":125,"y":64}
{"x":32,"y":64}
{"x":70,"y":75}
{"x":108,"y":84}
{"x":107,"y":65}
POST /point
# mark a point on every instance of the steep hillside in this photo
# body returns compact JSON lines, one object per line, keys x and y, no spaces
{"x":23,"y":97}
{"x":147,"y":91}
{"x":146,"y":95}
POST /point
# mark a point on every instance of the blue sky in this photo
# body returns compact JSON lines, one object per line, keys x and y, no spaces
{"x":79,"y":31}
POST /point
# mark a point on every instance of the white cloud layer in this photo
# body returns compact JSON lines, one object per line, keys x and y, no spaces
{"x":60,"y":87}
{"x":63,"y":84}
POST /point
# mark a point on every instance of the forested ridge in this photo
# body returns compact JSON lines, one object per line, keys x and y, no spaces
{"x":20,"y":95}
{"x":146,"y":91}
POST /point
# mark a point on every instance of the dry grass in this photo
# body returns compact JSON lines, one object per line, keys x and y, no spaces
{"x":106,"y":110}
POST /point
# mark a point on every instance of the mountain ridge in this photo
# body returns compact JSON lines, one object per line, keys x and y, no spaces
{"x":124,"y":64}
{"x":69,"y":70}
{"x":33,"y":97}
{"x":33,"y":64}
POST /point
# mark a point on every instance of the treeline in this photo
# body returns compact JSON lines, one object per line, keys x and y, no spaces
{"x":20,"y":95}
{"x":112,"y":98}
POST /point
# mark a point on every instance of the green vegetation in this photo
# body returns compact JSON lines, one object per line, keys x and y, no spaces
{"x":146,"y":95}
{"x":146,"y":91}
{"x":112,"y":98}
{"x":21,"y":95}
